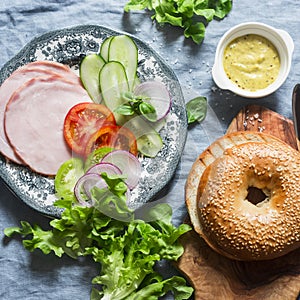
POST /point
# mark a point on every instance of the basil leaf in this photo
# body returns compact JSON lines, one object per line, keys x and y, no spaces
{"x":196,"y":109}
{"x":127,"y":96}
{"x":148,"y":111}
{"x":125,"y":110}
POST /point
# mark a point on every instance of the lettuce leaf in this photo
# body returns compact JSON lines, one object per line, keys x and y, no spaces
{"x":191,"y":15}
{"x":127,"y":251}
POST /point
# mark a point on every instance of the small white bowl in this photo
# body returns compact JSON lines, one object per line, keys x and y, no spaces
{"x":279,"y":38}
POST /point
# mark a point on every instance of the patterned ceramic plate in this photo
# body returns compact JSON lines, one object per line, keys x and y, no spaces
{"x":68,"y":46}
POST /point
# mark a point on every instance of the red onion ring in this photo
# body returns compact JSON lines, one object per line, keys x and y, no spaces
{"x":127,"y":163}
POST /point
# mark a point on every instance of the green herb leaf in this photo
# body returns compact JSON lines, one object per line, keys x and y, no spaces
{"x":125,"y":109}
{"x":148,"y":111}
{"x":137,"y":104}
{"x":196,"y":109}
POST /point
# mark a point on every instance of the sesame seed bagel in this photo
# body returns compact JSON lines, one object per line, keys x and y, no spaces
{"x":217,"y":188}
{"x":212,"y":152}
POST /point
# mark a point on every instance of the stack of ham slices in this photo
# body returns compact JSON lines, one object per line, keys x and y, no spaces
{"x":34,"y":101}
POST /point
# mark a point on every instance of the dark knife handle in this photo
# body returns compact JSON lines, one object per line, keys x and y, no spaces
{"x":296,"y":109}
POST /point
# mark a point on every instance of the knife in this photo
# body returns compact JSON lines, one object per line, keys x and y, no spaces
{"x":296,"y":110}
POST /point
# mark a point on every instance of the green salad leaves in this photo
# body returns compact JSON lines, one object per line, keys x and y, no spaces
{"x":191,"y":15}
{"x":126,"y":251}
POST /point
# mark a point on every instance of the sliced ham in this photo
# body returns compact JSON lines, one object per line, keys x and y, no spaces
{"x":16,"y":80}
{"x":57,"y":68}
{"x":34,"y":119}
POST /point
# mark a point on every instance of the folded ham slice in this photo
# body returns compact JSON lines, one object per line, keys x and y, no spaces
{"x":16,"y":80}
{"x":34,"y":119}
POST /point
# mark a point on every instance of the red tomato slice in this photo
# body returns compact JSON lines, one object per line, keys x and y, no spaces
{"x":82,"y":121}
{"x":116,"y":137}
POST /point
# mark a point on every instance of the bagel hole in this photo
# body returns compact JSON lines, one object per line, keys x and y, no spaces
{"x":256,"y":195}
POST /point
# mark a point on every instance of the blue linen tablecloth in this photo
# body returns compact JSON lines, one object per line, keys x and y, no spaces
{"x":31,"y":276}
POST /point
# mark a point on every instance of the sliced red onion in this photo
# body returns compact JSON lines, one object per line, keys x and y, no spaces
{"x":127,"y":163}
{"x":104,"y":167}
{"x":158,"y":96}
{"x":84,"y":186}
{"x":90,"y":184}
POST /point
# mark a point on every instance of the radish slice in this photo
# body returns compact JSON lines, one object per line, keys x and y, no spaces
{"x":127,"y":163}
{"x":103,"y":167}
{"x":84,"y":186}
{"x":158,"y":95}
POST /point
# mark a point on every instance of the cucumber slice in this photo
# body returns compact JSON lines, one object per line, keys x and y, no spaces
{"x":89,"y":74}
{"x":104,"y":48}
{"x":113,"y":82}
{"x":124,"y":50}
{"x":149,"y":142}
{"x":159,"y":124}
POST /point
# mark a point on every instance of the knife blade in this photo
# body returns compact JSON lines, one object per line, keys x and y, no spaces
{"x":296,"y":110}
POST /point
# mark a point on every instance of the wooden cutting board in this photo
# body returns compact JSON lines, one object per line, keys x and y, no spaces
{"x":259,"y":118}
{"x":216,"y":277}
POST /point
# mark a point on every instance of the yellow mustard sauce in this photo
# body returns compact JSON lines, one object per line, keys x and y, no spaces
{"x":251,"y":62}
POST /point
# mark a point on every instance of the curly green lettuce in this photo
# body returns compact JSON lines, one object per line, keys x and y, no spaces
{"x":126,"y":249}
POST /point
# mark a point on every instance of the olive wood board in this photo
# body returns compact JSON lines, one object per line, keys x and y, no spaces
{"x":216,"y":277}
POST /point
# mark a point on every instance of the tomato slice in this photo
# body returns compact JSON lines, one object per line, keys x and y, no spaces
{"x":82,"y":121}
{"x":116,"y":137}
{"x":95,"y":157}
{"x":66,"y":177}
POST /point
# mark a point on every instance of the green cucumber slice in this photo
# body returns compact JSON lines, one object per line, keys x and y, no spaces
{"x":159,"y":125}
{"x":113,"y":83}
{"x":104,"y":48}
{"x":89,"y":74}
{"x":149,"y":142}
{"x":123,"y":49}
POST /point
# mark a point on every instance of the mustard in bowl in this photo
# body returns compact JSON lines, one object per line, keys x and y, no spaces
{"x":253,"y":59}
